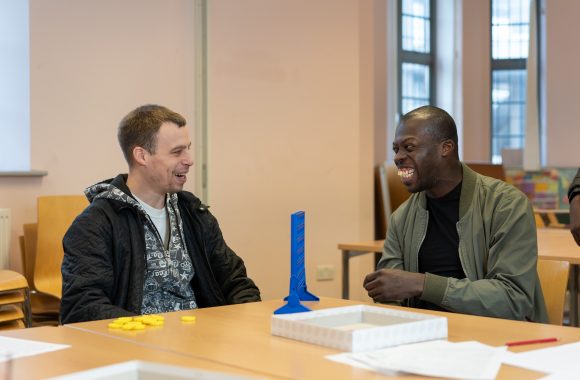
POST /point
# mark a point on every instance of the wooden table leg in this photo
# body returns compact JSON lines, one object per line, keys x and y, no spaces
{"x":345,"y":273}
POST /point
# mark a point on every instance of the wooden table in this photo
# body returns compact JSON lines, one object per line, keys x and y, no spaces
{"x":239,"y":336}
{"x":90,"y":350}
{"x":553,"y":244}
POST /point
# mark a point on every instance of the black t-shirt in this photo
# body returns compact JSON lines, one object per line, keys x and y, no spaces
{"x":439,"y":252}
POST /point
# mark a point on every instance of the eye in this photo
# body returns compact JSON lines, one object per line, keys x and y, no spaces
{"x":396,"y":150}
{"x":409,"y":147}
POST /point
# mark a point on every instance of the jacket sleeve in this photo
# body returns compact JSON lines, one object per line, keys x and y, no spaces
{"x":392,"y":251}
{"x":510,"y":278}
{"x":87,"y":270}
{"x":392,"y":257}
{"x":228,"y":268}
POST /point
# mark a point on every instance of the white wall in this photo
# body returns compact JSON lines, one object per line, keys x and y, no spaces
{"x":476,"y":80}
{"x":563,"y":82}
{"x":91,"y":63}
{"x":290,"y":128}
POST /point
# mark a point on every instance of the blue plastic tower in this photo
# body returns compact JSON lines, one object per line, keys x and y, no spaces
{"x":298,"y":290}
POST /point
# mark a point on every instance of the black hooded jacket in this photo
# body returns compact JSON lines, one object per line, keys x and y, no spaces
{"x":104,"y":264}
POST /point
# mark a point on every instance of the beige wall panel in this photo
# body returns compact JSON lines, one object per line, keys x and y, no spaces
{"x":476,"y":81}
{"x":563,"y":82}
{"x":287,"y":133}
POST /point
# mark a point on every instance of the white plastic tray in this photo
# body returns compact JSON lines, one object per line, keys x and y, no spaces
{"x":359,"y":328}
{"x":142,"y":370}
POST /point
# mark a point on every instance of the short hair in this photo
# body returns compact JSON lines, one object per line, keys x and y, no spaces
{"x":441,"y":125}
{"x":140,"y":128}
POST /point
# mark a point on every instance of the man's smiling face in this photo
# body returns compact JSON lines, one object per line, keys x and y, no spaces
{"x":416,"y":155}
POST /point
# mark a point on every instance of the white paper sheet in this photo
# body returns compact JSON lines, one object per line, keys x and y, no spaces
{"x":562,"y":376}
{"x":559,"y":359}
{"x":440,"y":358}
{"x":12,"y":348}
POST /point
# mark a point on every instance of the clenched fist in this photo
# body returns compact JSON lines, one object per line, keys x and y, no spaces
{"x":387,"y":285}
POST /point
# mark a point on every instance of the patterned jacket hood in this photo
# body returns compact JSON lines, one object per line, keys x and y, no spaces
{"x":106,"y":189}
{"x":116,"y":189}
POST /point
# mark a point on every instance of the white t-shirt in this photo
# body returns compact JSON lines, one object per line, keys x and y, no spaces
{"x":159,"y":219}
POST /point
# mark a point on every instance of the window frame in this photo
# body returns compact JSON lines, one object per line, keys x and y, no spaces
{"x":507,"y":64}
{"x":427,"y":59}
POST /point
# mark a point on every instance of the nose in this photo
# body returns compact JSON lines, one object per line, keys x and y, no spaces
{"x":188,"y":159}
{"x":399,"y":157}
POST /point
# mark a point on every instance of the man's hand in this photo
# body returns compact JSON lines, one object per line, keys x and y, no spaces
{"x":393,"y":285}
{"x":575,"y":218}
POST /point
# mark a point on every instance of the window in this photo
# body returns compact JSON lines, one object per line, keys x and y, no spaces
{"x":14,"y":86}
{"x":509,"y":51}
{"x":416,"y":54}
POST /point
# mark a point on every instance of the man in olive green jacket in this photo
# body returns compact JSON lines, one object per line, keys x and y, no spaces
{"x":463,"y":242}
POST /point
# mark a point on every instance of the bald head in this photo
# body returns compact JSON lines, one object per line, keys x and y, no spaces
{"x":438,"y":123}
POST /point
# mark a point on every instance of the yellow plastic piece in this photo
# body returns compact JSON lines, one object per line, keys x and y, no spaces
{"x":188,"y":318}
{"x":123,"y":320}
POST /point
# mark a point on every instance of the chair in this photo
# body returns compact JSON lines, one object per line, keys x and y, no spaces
{"x":380,"y":217}
{"x":55,"y":215}
{"x":28,"y":251}
{"x":539,"y":220}
{"x":553,"y":276}
{"x":491,"y":170}
{"x":45,"y":308}
{"x":14,"y":300}
{"x":390,"y":193}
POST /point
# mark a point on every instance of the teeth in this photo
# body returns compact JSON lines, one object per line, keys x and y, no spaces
{"x":405,"y":173}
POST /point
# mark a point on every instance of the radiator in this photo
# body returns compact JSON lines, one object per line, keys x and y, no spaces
{"x":5,"y":230}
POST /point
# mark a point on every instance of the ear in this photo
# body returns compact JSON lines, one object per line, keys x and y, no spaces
{"x":447,"y":147}
{"x":140,"y":156}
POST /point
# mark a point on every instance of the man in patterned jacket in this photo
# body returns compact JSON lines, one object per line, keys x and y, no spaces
{"x":143,"y":245}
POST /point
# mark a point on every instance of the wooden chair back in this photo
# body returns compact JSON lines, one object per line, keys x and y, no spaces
{"x":390,"y":193}
{"x":55,"y":215}
{"x":398,"y":193}
{"x":380,"y":216}
{"x":28,"y":251}
{"x":553,"y":276}
{"x":491,"y":170}
{"x":14,"y":298}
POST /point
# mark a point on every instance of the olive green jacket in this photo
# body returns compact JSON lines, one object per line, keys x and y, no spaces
{"x":497,"y":248}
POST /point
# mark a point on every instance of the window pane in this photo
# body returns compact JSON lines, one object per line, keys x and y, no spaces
{"x":415,"y":26}
{"x":14,"y":86}
{"x":416,"y":7}
{"x":510,"y":29}
{"x":414,"y":86}
{"x":508,"y":102}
